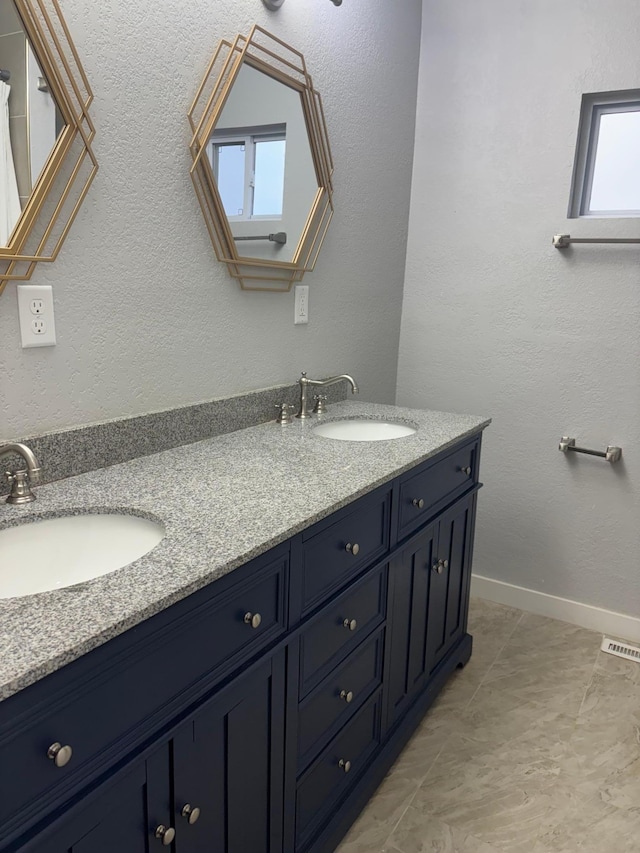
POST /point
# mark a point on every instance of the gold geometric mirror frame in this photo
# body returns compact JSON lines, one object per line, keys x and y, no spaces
{"x":266,"y":53}
{"x":65,"y":179}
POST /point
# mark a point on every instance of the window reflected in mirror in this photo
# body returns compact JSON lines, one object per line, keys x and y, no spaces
{"x":249,"y":168}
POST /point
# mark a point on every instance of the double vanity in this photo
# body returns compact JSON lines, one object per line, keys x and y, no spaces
{"x":246,"y":684}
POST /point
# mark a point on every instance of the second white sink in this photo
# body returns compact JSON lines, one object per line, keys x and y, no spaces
{"x":360,"y":429}
{"x":51,"y":553}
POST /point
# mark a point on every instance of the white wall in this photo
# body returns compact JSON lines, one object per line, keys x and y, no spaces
{"x":496,"y":320}
{"x":146,"y":318}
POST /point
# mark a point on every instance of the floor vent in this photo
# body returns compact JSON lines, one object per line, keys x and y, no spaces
{"x":613,"y":647}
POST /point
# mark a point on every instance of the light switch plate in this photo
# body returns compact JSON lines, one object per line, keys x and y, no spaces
{"x":35,"y":309}
{"x":301,"y":310}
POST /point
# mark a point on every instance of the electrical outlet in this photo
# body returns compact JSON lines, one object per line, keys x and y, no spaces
{"x":301,"y":309}
{"x":35,"y":308}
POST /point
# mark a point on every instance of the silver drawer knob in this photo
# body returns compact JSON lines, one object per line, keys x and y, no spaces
{"x":60,"y":755}
{"x":190,"y":813}
{"x":418,"y":503}
{"x":350,"y":624}
{"x":466,"y":471}
{"x":344,"y":765}
{"x":352,"y":549}
{"x":166,"y":834}
{"x":438,"y":567}
{"x":253,"y":619}
{"x":347,"y":695}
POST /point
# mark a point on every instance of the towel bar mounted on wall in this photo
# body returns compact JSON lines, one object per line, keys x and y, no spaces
{"x":611,"y":454}
{"x":563,"y":241}
{"x":278,"y":237}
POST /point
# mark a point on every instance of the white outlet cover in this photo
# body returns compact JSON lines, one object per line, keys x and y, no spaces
{"x":37,"y":327}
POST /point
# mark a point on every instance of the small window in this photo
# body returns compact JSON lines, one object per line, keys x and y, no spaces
{"x":606,"y":176}
{"x":248,"y":165}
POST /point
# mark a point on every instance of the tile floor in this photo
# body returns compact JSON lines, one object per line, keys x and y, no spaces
{"x":533,"y":748}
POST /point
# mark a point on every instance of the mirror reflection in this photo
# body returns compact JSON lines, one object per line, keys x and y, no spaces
{"x":30,"y":119}
{"x":261,"y":159}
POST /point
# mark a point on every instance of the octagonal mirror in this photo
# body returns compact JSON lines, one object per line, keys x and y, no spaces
{"x":261,"y":161}
{"x":46,"y":162}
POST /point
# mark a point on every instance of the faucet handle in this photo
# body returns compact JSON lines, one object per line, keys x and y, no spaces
{"x":20,"y":487}
{"x":284,"y":413}
{"x":321,"y":404}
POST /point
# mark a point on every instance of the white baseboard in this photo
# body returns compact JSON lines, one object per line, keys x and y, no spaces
{"x":620,"y":625}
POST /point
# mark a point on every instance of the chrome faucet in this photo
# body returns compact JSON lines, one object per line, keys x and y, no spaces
{"x":20,"y":481}
{"x":306,"y":383}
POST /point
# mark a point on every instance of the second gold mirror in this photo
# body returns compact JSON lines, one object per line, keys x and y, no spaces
{"x":261,"y":161}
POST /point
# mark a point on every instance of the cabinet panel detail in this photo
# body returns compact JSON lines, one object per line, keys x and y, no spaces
{"x":438,"y":483}
{"x":336,"y":554}
{"x":337,"y":769}
{"x":340,"y":627}
{"x":339,"y":696}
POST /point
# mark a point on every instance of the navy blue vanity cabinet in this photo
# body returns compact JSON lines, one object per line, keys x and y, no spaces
{"x":430,"y":578}
{"x":213,"y":784}
{"x":228,"y":762}
{"x":131,"y":812}
{"x":259,"y":714}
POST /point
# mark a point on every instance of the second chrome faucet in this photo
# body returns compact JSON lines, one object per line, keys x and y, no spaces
{"x":306,"y":383}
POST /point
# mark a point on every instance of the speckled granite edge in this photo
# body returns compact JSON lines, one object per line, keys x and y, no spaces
{"x":69,"y":452}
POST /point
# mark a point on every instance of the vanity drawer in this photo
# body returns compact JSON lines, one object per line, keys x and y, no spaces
{"x":104,"y":711}
{"x":337,"y":551}
{"x":341,"y":626}
{"x":437,"y":483}
{"x":337,"y":769}
{"x":339,"y":696}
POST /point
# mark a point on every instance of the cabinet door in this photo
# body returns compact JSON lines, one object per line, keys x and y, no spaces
{"x":407,"y":663}
{"x":449,"y":582}
{"x":228,"y":764}
{"x":122,"y":816}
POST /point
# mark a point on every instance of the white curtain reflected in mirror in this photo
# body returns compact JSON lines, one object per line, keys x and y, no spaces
{"x":34,"y":119}
{"x":10,"y":208}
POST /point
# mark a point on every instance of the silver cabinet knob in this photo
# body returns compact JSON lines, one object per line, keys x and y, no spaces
{"x":438,"y":567}
{"x":60,"y":755}
{"x":166,"y":834}
{"x":352,"y":549}
{"x":350,"y":624}
{"x":466,"y":471}
{"x":347,"y":695}
{"x":344,"y":765}
{"x":418,"y":503}
{"x":190,"y":813}
{"x":253,"y":619}
{"x":445,"y":563}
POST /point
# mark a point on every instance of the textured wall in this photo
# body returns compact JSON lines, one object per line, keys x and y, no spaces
{"x":146,"y":318}
{"x":497,"y":321}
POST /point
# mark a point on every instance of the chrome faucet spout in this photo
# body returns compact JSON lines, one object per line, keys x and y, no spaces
{"x":305,"y":383}
{"x":20,"y":481}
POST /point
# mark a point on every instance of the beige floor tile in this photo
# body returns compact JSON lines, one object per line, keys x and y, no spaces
{"x":420,"y":833}
{"x":374,"y":826}
{"x":534,"y":747}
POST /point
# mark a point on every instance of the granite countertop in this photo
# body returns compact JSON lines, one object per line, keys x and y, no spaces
{"x":223,"y":501}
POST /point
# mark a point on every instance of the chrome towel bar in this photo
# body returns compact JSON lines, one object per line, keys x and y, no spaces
{"x":278,"y":237}
{"x":562,"y":241}
{"x":611,"y":454}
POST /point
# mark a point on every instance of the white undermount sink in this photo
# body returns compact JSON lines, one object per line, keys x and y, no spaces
{"x":52,"y":553}
{"x":361,"y":429}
